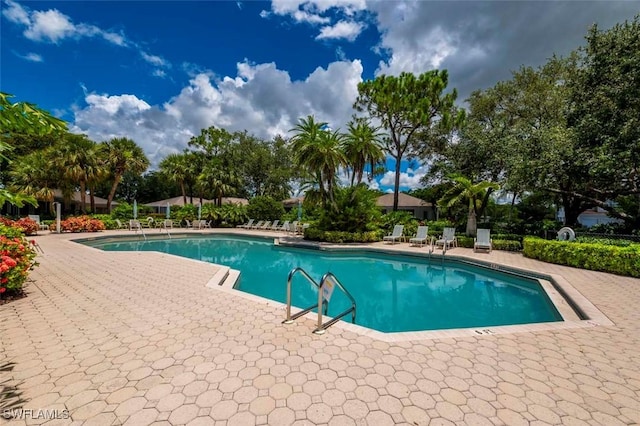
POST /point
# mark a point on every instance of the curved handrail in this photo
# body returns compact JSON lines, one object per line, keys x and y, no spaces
{"x":322,"y":327}
{"x":289,"y":319}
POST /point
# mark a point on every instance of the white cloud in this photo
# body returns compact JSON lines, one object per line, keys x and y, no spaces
{"x":15,"y":13}
{"x":49,"y":25}
{"x":33,"y":57}
{"x":153,"y":59}
{"x":409,"y":179}
{"x":343,"y":29}
{"x":317,"y":12}
{"x":261,"y":99}
{"x":54,"y":26}
{"x":159,"y":73}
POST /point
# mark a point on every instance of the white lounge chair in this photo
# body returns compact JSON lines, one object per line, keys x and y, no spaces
{"x":36,"y":219}
{"x":258,"y":225}
{"x":284,"y":227}
{"x":395,"y":235}
{"x":247,"y":225}
{"x":421,"y":236}
{"x":266,"y":225}
{"x":274,"y":225}
{"x":293,"y":227}
{"x":483,"y":240}
{"x":120,"y":224}
{"x":448,"y":238}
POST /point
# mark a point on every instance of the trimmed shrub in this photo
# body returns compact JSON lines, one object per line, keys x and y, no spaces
{"x":81,"y":224}
{"x":355,"y":211}
{"x":507,"y":245}
{"x":315,"y":234}
{"x":265,"y":208}
{"x":106,"y":219}
{"x":17,"y":258}
{"x":593,"y":256}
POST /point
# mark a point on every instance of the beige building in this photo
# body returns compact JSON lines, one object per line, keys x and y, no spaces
{"x":420,"y":209}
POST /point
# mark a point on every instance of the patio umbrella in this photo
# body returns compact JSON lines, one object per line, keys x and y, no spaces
{"x":299,"y":210}
{"x":199,"y":211}
{"x":135,"y":209}
{"x":168,"y":210}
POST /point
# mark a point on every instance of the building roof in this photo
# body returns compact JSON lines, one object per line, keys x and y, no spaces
{"x":292,"y":202}
{"x":404,"y":200}
{"x":75,"y":198}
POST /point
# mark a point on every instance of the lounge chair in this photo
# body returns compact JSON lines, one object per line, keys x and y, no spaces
{"x":36,"y":219}
{"x":284,"y":227}
{"x":258,"y":225}
{"x":266,"y":225}
{"x":167,"y":223}
{"x":448,"y":238}
{"x":120,"y":224}
{"x":396,"y":235}
{"x":293,"y":227}
{"x":246,"y":225}
{"x":421,"y":236}
{"x":274,"y":225}
{"x":205,"y":224}
{"x":135,"y":225}
{"x":483,"y":240}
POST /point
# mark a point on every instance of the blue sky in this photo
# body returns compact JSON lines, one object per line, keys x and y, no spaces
{"x":159,"y":71}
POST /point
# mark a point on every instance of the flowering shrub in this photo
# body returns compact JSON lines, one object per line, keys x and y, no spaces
{"x":27,"y":225}
{"x":81,"y":224}
{"x":16,"y":259}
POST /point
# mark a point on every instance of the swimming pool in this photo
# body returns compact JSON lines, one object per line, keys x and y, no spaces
{"x":393,"y":293}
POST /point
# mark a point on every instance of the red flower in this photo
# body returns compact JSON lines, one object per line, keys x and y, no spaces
{"x":2,"y":289}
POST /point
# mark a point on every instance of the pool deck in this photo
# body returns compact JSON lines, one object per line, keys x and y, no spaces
{"x":138,"y":338}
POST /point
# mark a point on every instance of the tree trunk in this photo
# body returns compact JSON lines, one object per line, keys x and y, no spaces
{"x":396,"y":189}
{"x":83,"y":197}
{"x":472,"y":225}
{"x":92,"y":200}
{"x":112,"y":193}
{"x":184,"y":192}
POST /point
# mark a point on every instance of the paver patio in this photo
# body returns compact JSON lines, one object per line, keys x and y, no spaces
{"x":138,"y":338}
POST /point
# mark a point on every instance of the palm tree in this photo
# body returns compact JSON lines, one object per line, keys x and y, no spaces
{"x":218,"y":180}
{"x":317,"y":151}
{"x":123,"y":155}
{"x":78,"y":159}
{"x":175,"y":168}
{"x":34,"y":176}
{"x":363,"y":146}
{"x":476,"y":194}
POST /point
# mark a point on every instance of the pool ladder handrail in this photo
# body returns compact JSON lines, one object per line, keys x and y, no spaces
{"x":289,"y":319}
{"x":322,"y":327}
{"x":137,"y":226}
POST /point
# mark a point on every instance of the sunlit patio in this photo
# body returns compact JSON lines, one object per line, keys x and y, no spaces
{"x":139,"y":338}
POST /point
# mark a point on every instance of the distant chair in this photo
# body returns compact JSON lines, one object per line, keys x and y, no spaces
{"x":421,"y":236}
{"x":395,"y":235}
{"x":258,"y":225}
{"x":135,"y":225}
{"x":448,"y":238}
{"x":284,"y":227}
{"x":293,"y":227}
{"x":36,"y":219}
{"x":247,"y":225}
{"x":274,"y":225}
{"x":120,"y":224}
{"x":265,"y":226}
{"x":483,"y":240}
{"x":168,"y":223}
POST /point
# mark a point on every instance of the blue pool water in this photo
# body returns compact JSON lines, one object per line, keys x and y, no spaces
{"x":393,"y":293}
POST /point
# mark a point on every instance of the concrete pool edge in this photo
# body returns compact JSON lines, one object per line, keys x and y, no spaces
{"x":225,"y":278}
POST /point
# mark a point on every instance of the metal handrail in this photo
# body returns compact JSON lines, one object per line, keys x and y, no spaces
{"x":322,"y":327}
{"x":289,"y":319}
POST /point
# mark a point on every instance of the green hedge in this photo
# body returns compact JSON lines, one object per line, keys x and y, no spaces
{"x":593,"y":256}
{"x":315,"y":234}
